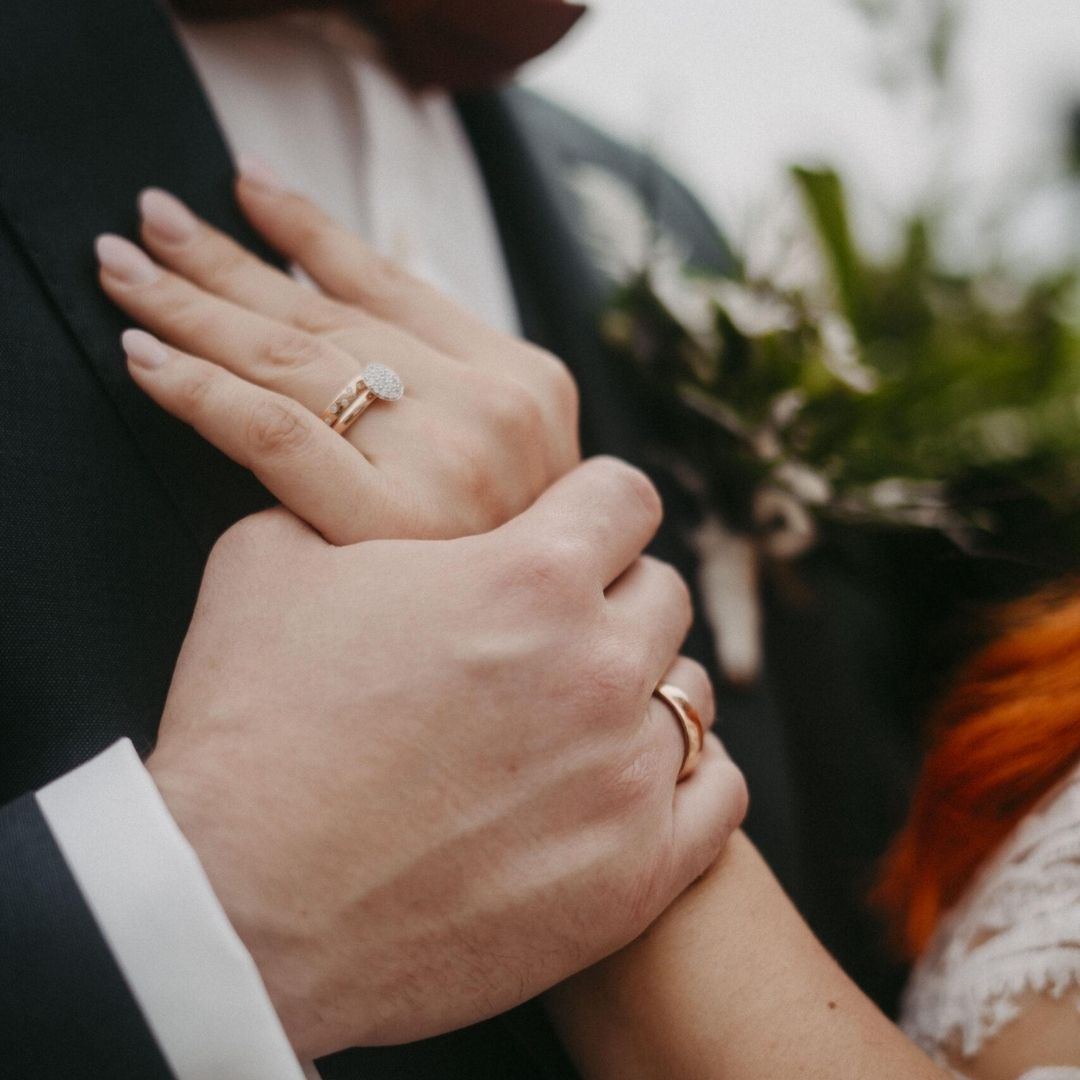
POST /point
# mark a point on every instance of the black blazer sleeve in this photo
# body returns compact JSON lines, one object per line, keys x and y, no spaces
{"x":65,"y":1009}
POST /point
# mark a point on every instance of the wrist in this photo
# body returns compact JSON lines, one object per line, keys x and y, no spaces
{"x":626,"y":1016}
{"x":191,"y":795}
{"x":161,"y":921}
{"x":260,"y":889}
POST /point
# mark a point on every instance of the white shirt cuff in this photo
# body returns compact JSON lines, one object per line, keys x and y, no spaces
{"x":195,"y":982}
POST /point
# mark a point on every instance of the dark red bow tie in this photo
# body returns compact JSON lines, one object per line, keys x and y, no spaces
{"x":454,"y":44}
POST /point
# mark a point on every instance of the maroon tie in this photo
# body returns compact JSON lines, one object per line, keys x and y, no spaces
{"x":453,"y":44}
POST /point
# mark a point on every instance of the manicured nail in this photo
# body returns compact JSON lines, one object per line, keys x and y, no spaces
{"x":166,"y":216}
{"x":143,"y":349}
{"x":255,"y":171}
{"x":125,"y":261}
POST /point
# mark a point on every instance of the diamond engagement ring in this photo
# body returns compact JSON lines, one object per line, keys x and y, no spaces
{"x":376,"y":382}
{"x":693,"y":730}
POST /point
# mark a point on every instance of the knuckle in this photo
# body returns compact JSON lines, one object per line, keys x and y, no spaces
{"x":469,"y":470}
{"x":312,"y":236}
{"x":197,"y":388}
{"x":551,"y":570}
{"x":513,"y":411}
{"x":188,"y":309}
{"x":630,"y":483}
{"x":291,"y":350}
{"x":277,"y":426}
{"x":560,"y":382}
{"x":223,"y":265}
{"x":382,"y":280}
{"x":467,"y":458}
{"x":644,"y":490}
{"x":674,"y":586}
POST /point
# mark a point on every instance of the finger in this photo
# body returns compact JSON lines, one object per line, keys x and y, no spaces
{"x":709,"y":806}
{"x":261,"y":350}
{"x":186,"y":244}
{"x":601,"y":515}
{"x":216,"y":264}
{"x":308,"y":368}
{"x":313,"y":471}
{"x":653,"y":602}
{"x":348,"y":269}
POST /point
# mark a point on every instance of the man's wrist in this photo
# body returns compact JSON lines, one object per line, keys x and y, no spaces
{"x":195,"y":791}
{"x":195,"y":982}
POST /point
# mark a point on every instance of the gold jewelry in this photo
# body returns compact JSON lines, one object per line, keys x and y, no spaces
{"x":693,"y":730}
{"x":376,"y":382}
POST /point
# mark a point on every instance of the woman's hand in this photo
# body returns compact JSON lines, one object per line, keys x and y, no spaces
{"x":251,"y":358}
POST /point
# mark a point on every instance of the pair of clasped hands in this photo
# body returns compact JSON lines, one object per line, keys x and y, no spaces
{"x":411,"y":732}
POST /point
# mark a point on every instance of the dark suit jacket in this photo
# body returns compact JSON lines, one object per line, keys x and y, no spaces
{"x":109,"y":508}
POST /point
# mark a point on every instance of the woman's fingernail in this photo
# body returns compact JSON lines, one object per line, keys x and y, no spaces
{"x":167,"y":216}
{"x":255,"y":171}
{"x":143,"y":349}
{"x":125,"y":261}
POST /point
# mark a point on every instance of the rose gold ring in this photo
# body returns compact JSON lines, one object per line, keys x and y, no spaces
{"x":376,"y":382}
{"x":693,"y":730}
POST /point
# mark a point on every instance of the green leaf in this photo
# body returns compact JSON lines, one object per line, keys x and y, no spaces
{"x":827,"y":204}
{"x":942,"y":38}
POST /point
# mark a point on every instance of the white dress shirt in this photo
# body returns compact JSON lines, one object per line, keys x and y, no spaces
{"x":306,"y":94}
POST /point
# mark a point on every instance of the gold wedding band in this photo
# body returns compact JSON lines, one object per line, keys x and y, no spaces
{"x":376,"y":382}
{"x":693,"y":730}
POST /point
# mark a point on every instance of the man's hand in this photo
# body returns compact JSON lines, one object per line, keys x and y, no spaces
{"x":427,"y":779}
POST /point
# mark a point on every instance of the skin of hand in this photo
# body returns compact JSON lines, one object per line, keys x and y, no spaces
{"x":434,"y":782}
{"x":487,"y":422}
{"x":729,"y":984}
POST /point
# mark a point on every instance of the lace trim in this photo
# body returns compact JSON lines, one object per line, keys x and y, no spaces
{"x":1017,"y":931}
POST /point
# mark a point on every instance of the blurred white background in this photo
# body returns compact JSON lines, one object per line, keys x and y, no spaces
{"x":730,"y":91}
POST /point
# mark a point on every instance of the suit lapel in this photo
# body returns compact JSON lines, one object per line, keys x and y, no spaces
{"x":561,"y":296}
{"x":559,"y":292}
{"x":92,"y":109}
{"x":90,"y":116}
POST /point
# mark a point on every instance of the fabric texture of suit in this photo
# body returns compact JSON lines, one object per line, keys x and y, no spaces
{"x":110,"y":507}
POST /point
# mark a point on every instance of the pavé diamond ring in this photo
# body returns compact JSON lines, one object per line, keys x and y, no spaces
{"x":693,"y":730}
{"x":376,"y":382}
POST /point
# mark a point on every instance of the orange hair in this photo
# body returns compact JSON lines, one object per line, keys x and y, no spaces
{"x":1004,"y":734}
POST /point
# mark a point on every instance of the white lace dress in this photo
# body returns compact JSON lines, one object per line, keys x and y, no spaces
{"x":1013,"y":940}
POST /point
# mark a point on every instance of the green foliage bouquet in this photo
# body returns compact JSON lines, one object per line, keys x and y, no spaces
{"x":891,"y":394}
{"x":894,"y":395}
